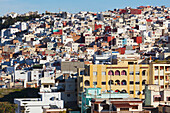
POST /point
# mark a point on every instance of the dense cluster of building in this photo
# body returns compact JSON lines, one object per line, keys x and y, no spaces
{"x":102,"y":62}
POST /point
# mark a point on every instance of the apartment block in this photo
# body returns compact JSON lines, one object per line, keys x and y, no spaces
{"x":122,"y":77}
{"x":159,"y":74}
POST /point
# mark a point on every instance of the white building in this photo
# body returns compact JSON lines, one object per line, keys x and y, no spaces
{"x":155,"y":96}
{"x":75,"y":47}
{"x":89,"y":40}
{"x":122,"y":105}
{"x":12,"y":15}
{"x":4,"y":32}
{"x":90,"y":51}
{"x":13,"y":30}
{"x":36,"y":105}
{"x":23,"y":26}
{"x":28,"y":37}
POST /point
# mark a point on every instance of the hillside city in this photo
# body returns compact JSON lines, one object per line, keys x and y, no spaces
{"x":113,"y":61}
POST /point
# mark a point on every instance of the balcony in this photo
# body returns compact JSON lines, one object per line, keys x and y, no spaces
{"x":161,"y":72}
{"x":156,"y":72}
{"x":47,"y":80}
{"x":36,"y":102}
{"x":101,"y":57}
{"x":156,"y":82}
{"x":167,"y":72}
{"x":166,"y":82}
{"x":45,"y":90}
{"x":161,"y":82}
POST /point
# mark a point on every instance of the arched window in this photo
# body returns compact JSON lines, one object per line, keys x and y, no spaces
{"x":117,"y":72}
{"x":143,"y":72}
{"x":110,"y":82}
{"x":123,"y":82}
{"x":143,"y":92}
{"x":110,"y":72}
{"x":117,"y":82}
{"x":123,"y":91}
{"x":87,"y":83}
{"x":123,"y":72}
{"x":143,"y":82}
{"x":117,"y":90}
{"x":138,"y":92}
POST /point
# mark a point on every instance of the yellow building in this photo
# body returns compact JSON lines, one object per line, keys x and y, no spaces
{"x":121,"y":77}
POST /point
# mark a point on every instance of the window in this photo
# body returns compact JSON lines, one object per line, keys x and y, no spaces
{"x":143,"y":72}
{"x":123,"y":72}
{"x":123,"y":82}
{"x":168,"y":98}
{"x":131,"y":73}
{"x":87,"y":83}
{"x":135,"y":107}
{"x":157,"y":98}
{"x":137,"y":82}
{"x":117,"y":72}
{"x":124,"y":109}
{"x":117,"y":82}
{"x":131,"y":82}
{"x":96,"y":107}
{"x":106,"y":107}
{"x":137,"y":73}
{"x":39,"y":75}
{"x":94,"y":73}
{"x":34,"y":75}
{"x":45,"y":86}
{"x":117,"y":90}
{"x":87,"y":73}
{"x":81,"y":72}
{"x":94,"y":83}
{"x":123,"y":91}
{"x":143,"y":92}
{"x":131,"y":92}
{"x":110,"y":82}
{"x":130,"y":63}
{"x":103,"y":83}
{"x":52,"y":98}
{"x":143,"y":82}
{"x":110,"y":72}
{"x":103,"y":73}
{"x":68,"y":95}
{"x":137,"y":92}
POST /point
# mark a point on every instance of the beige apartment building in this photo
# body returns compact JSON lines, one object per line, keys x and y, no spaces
{"x":126,"y":76}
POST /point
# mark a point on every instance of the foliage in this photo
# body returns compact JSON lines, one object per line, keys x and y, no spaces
{"x":10,"y":21}
{"x":7,"y":98}
{"x":7,"y":91}
{"x":6,"y":107}
{"x":18,"y":93}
